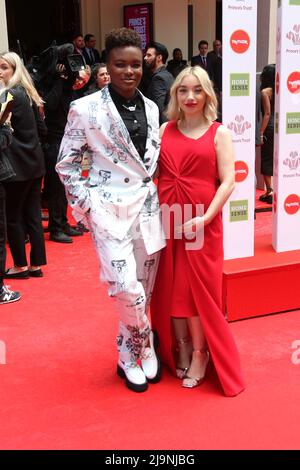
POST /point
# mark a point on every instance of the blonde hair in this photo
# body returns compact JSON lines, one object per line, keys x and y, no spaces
{"x":20,"y":77}
{"x":174,"y":113}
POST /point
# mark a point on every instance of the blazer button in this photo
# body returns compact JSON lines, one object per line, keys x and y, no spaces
{"x":126,"y":180}
{"x":147,"y":180}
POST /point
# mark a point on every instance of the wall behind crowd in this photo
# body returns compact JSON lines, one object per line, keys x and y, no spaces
{"x":3,"y":27}
{"x":170,"y":20}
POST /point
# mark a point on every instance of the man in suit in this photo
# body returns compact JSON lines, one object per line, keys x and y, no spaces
{"x":217,"y":50}
{"x":118,"y":127}
{"x":217,"y":72}
{"x":91,"y":54}
{"x":161,"y":80}
{"x":202,"y":59}
{"x":78,"y":43}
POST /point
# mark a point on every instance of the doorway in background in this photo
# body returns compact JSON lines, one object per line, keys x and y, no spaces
{"x":33,"y":25}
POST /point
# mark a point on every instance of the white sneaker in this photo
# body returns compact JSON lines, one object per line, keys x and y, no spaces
{"x":135,"y":377}
{"x":150,"y":361}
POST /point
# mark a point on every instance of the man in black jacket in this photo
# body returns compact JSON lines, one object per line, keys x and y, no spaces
{"x":202,"y":59}
{"x":89,"y":52}
{"x":161,"y":80}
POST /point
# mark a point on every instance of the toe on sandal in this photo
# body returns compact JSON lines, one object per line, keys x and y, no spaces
{"x":181,"y":372}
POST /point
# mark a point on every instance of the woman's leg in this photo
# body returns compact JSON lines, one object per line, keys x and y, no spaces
{"x":33,"y":222}
{"x":184,"y":346}
{"x":268,"y":183}
{"x":16,"y":193}
{"x":200,"y":357}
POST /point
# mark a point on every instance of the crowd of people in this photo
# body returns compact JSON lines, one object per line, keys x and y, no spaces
{"x":137,"y":119}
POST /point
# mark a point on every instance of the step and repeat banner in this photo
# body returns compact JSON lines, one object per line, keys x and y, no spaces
{"x":286,"y":215}
{"x":239,"y":104}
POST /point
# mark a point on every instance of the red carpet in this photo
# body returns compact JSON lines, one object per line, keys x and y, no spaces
{"x":59,"y":389}
{"x":264,"y":284}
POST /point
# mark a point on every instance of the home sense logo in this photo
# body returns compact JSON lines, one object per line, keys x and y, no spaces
{"x":239,"y":211}
{"x":293,"y":82}
{"x":292,"y":204}
{"x":239,"y":84}
{"x":293,"y":123}
{"x":241,"y":171}
{"x":240,"y":41}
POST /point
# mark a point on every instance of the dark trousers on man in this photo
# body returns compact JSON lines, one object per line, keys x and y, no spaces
{"x":23,"y":215}
{"x":54,"y":190}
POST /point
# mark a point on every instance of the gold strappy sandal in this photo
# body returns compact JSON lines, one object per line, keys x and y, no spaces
{"x":192,"y":382}
{"x":182,"y":371}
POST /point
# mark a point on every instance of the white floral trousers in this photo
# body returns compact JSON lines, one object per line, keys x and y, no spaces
{"x":130,"y":273}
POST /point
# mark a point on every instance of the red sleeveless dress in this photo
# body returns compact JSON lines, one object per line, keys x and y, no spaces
{"x":189,"y":282}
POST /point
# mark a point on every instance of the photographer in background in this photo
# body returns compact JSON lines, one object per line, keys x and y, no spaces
{"x":60,"y":74}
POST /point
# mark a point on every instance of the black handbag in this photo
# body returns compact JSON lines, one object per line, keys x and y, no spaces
{"x":6,"y":170}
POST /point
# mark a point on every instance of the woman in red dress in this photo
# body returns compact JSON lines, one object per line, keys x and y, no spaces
{"x":196,"y":178}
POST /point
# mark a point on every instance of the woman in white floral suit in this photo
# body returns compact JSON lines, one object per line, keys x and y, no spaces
{"x":119,"y":129}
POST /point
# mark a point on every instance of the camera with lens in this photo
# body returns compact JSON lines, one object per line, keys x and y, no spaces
{"x":60,"y":59}
{"x":75,"y":63}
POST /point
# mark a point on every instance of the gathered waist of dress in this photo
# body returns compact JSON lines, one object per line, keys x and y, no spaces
{"x":187,"y":180}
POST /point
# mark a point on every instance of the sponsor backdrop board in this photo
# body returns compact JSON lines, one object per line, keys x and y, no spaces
{"x":239,"y":98}
{"x":140,"y":19}
{"x":286,"y":215}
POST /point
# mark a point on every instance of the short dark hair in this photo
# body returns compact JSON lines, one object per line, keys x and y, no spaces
{"x":97,"y":68}
{"x":267,"y":77}
{"x":122,"y":37}
{"x":88,"y":37}
{"x":202,"y":42}
{"x":176,"y":50}
{"x":75,"y":35}
{"x":160,"y":50}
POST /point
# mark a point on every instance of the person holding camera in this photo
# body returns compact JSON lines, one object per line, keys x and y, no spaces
{"x":58,"y":89}
{"x":119,"y":128}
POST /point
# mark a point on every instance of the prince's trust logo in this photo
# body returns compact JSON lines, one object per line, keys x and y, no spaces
{"x":293,"y":164}
{"x":239,"y":127}
{"x":294,"y":37}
